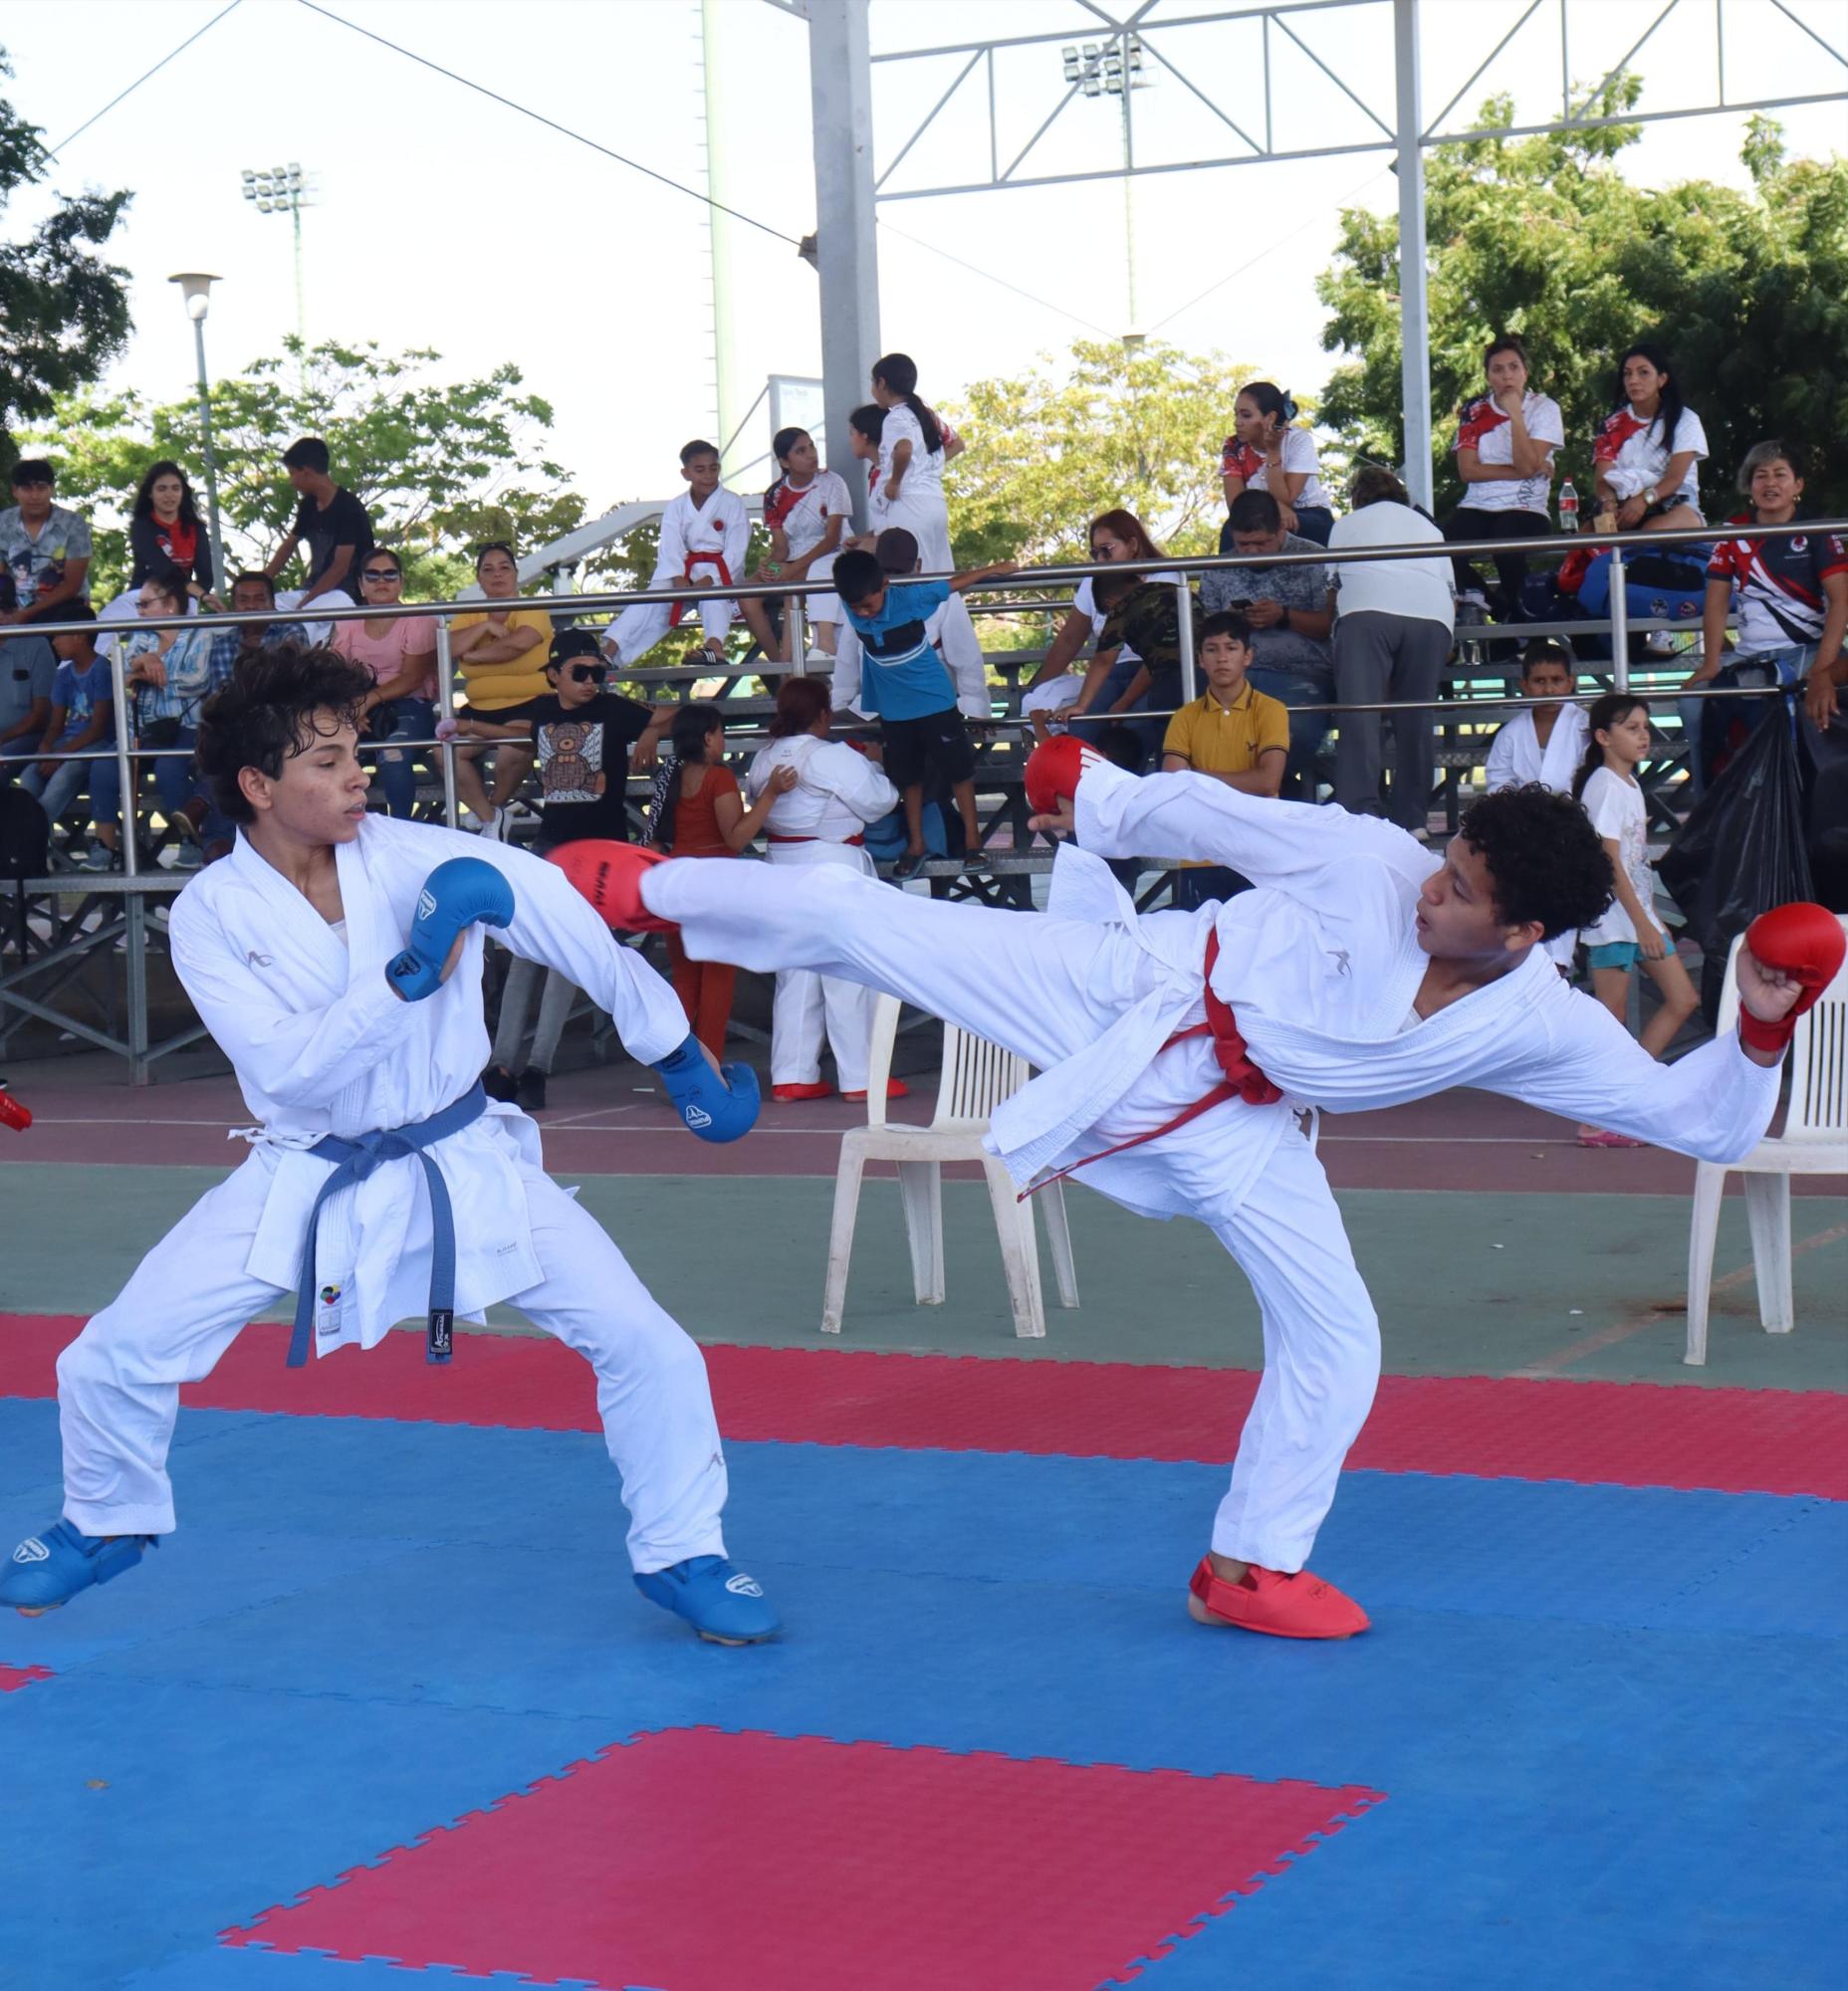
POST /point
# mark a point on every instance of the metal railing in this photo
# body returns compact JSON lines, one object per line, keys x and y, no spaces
{"x":582,"y":605}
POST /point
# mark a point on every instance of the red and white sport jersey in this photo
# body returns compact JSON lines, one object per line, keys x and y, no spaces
{"x":1631,"y":455}
{"x":1300,"y":456}
{"x":1779,"y":583}
{"x":1486,"y":429}
{"x":803,"y":512}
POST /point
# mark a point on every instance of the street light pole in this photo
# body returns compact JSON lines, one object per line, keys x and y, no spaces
{"x":286,"y":190}
{"x":196,"y":289}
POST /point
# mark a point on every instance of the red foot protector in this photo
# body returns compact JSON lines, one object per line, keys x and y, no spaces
{"x":1598,"y":1433}
{"x":12,"y":1678}
{"x":702,"y":1861}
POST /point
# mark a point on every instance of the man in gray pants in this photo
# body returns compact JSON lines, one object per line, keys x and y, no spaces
{"x":1392,"y":639}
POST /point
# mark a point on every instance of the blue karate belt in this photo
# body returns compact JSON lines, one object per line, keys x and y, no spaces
{"x":356,"y":1159}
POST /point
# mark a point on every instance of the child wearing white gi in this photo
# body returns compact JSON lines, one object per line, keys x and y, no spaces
{"x":806,"y":512}
{"x":908,"y":489}
{"x":705,"y":537}
{"x":1176,"y":1052}
{"x":380,"y":1182}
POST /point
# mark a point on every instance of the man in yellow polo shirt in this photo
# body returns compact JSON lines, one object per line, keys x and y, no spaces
{"x":1233,"y":732}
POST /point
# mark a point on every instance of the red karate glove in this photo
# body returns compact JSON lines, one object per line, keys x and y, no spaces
{"x":608,"y":874}
{"x":12,"y":1113}
{"x":1054,"y":769}
{"x":1804,"y":941}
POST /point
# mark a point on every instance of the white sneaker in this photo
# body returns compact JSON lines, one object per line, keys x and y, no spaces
{"x":168,"y":859}
{"x":496,"y":828}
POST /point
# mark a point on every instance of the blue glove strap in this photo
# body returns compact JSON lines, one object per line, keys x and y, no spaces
{"x":717,"y":1106}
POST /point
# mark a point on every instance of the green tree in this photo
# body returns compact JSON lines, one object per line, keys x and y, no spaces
{"x":440,"y":467}
{"x":1542,"y":236}
{"x":64,"y":312}
{"x":1109,"y":427}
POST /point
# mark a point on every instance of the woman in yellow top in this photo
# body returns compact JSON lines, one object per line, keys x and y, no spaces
{"x":501,"y":657}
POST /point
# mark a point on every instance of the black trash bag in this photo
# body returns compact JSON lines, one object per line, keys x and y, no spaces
{"x":1742,"y":849}
{"x":1828,"y":812}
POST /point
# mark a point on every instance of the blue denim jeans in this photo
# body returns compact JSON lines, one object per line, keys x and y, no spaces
{"x":1307,"y":730}
{"x":397,"y":774}
{"x":177,"y":780}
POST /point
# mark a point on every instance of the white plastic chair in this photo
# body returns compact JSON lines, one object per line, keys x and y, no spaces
{"x":976,"y":1077}
{"x":1814,"y":1142}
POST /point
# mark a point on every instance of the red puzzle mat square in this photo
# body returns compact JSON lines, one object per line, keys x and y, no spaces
{"x":698,"y":1861}
{"x":12,"y":1678}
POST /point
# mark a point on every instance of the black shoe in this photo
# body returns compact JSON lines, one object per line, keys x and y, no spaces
{"x":530,"y":1091}
{"x":498,"y":1083}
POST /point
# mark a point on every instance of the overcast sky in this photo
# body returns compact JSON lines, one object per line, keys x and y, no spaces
{"x":445,"y":220}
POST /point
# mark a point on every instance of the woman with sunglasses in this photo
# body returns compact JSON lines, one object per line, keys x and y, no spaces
{"x":1056,"y":687}
{"x":401,"y":653}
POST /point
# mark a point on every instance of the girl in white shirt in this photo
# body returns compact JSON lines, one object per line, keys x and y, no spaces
{"x":1266,"y":453}
{"x":908,"y":489}
{"x":1505,"y":440}
{"x":806,"y":512}
{"x":1607,"y":786}
{"x":1647,"y":447}
{"x":1114,"y":535}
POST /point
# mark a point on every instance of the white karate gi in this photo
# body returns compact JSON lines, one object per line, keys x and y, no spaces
{"x":1321,"y":965}
{"x":839,"y":793}
{"x":1515,"y":756}
{"x":321,"y":1044}
{"x":953,"y":631}
{"x":693,"y":538}
{"x":919,"y":507}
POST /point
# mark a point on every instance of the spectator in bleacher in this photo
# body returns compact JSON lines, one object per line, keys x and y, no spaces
{"x":27,"y":667}
{"x":165,"y":531}
{"x":44,"y":546}
{"x":1053,"y":687}
{"x":251,"y":594}
{"x":1267,"y":452}
{"x":582,"y":735}
{"x":1143,"y":616}
{"x":701,"y":814}
{"x":1627,"y":931}
{"x":1546,"y":741}
{"x":167,"y":674}
{"x":81,"y":718}
{"x":1392,"y":639}
{"x":1648,"y":448}
{"x":907,"y":487}
{"x":1790,"y":597}
{"x":948,"y":626}
{"x":806,"y":512}
{"x":1290,"y":611}
{"x":401,"y":653}
{"x":820,"y":819}
{"x":333,"y":526}
{"x":1505,"y":442}
{"x":1233,"y":732}
{"x":501,"y":653}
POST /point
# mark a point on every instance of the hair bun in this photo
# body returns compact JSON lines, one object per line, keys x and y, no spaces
{"x":1288,"y":409}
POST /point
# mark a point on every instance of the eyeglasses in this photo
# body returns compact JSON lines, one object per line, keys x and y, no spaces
{"x":382,"y":573}
{"x":588,"y":673}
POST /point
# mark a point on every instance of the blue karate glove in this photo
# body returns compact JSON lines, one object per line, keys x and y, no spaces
{"x":717,"y":1106}
{"x":457,"y":894}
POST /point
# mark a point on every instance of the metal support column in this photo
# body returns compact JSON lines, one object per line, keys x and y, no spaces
{"x":847,"y":251}
{"x":1414,"y":315}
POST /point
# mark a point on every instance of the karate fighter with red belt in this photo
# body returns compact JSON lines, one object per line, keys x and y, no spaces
{"x":1176,"y":1051}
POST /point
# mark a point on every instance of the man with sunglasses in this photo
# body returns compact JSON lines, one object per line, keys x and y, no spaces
{"x":582,"y":735}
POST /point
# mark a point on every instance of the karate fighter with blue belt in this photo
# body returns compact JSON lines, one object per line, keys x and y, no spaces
{"x":336,"y":958}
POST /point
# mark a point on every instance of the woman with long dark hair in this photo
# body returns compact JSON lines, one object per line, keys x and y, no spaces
{"x":1505,"y":442}
{"x":1647,"y":446}
{"x":806,"y":512}
{"x":1267,"y":452}
{"x":819,"y":817}
{"x":908,"y":486}
{"x":1116,"y":534}
{"x":699,"y":813}
{"x":165,"y":529}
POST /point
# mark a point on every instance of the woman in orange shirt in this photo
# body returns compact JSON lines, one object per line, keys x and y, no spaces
{"x":702,"y":814}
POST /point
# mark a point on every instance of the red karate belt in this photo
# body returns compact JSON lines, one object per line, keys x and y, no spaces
{"x":771,"y":836}
{"x":1243,"y":1079}
{"x":686,"y":573}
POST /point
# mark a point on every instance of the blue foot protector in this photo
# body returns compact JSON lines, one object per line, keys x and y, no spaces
{"x":716,"y":1598}
{"x":50,"y":1569}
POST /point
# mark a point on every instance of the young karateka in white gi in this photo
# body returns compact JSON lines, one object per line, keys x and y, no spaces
{"x":1545,"y":742}
{"x":821,"y":821}
{"x":907,"y":488}
{"x":807,"y":514}
{"x":1362,"y":972}
{"x":382,"y":1182}
{"x":705,"y":538}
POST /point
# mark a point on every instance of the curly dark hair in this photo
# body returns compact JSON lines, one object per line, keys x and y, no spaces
{"x":271,"y":711}
{"x":1546,"y":860}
